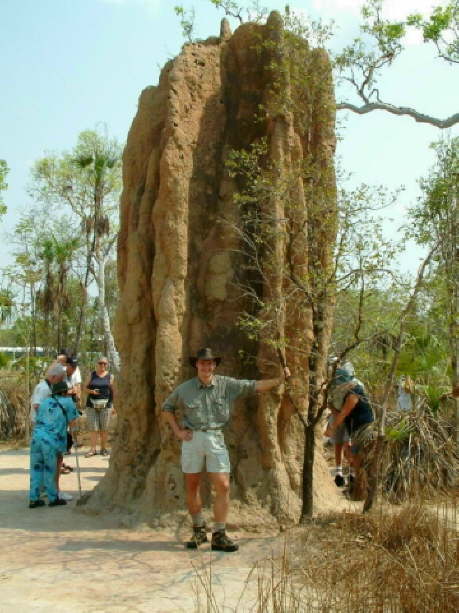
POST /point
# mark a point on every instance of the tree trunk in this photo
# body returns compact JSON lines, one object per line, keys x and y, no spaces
{"x":185,"y":280}
{"x":103,"y":313}
{"x":308,"y":472}
{"x":453,"y":287}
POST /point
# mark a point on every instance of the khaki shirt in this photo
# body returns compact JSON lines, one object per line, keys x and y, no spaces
{"x":207,"y":406}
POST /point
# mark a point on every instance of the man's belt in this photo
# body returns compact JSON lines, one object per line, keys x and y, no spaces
{"x":208,"y":429}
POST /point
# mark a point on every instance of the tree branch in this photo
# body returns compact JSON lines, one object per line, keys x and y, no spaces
{"x":399,"y":110}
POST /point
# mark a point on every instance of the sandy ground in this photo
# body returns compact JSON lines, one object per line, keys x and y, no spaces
{"x":62,"y":559}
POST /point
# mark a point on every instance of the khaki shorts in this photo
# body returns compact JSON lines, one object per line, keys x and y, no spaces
{"x":341,"y":435}
{"x":205,"y":451}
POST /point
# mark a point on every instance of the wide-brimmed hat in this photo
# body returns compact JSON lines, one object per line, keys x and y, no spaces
{"x":59,"y":388}
{"x":205,"y":353}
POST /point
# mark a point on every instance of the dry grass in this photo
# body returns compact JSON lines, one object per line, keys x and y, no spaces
{"x":14,"y":406}
{"x":403,"y":561}
{"x":392,"y":561}
{"x":419,"y":457}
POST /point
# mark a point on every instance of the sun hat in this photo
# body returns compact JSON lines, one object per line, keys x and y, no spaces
{"x":205,"y":353}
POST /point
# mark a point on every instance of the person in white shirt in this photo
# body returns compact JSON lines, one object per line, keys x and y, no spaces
{"x":73,"y":379}
{"x":55,"y":373}
{"x":65,"y":359}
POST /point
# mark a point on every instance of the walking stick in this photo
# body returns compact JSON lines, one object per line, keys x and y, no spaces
{"x":77,"y":461}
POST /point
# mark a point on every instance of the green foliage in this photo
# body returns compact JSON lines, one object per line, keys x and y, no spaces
{"x":441,"y":27}
{"x":6,"y":305}
{"x":253,"y":10}
{"x":3,"y":185}
{"x":399,"y":431}
{"x":360,"y":63}
{"x":435,"y":222}
{"x":59,"y":242}
{"x":186,"y":19}
{"x":433,"y":396}
{"x":434,"y":214}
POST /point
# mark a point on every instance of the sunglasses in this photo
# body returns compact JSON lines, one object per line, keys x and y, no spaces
{"x":105,"y":363}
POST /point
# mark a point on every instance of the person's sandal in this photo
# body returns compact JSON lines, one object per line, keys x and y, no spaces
{"x":65,"y":469}
{"x":221,"y":542}
{"x":90,"y":453}
{"x":198,"y":537}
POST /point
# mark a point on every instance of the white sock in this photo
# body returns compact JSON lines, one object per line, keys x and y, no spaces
{"x":198,"y":520}
{"x":219,"y":527}
{"x":339,"y":470}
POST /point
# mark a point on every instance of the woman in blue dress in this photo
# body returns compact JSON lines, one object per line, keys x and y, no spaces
{"x":49,"y":441}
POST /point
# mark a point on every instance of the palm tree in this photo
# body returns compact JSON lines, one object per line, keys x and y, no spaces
{"x":97,"y":161}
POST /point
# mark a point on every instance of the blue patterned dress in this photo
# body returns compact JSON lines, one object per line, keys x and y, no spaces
{"x":48,"y":441}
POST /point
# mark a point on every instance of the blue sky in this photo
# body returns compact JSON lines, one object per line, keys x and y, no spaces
{"x":67,"y":65}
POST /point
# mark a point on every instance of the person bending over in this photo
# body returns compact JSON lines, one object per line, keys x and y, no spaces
{"x":49,"y":442}
{"x":356,"y":413}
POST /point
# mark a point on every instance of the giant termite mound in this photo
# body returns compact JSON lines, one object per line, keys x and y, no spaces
{"x":182,"y":267}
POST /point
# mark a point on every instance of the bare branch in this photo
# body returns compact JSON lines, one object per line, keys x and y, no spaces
{"x":399,"y":110}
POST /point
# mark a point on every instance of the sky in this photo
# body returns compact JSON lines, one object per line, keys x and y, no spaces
{"x":70,"y":65}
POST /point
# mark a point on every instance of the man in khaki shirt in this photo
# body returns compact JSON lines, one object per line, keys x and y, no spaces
{"x":206,"y":402}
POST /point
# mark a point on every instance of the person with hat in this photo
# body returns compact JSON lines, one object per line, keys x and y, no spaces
{"x":206,"y":402}
{"x":49,"y":442}
{"x":73,"y":378}
{"x":348,"y":397}
{"x":341,"y":439}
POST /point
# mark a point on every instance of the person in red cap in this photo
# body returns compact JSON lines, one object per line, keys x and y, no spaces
{"x":206,"y":402}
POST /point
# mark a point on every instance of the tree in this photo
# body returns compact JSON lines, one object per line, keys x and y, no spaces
{"x":88,"y":180}
{"x":3,"y":185}
{"x":436,"y":220}
{"x":57,"y":255}
{"x":361,"y":63}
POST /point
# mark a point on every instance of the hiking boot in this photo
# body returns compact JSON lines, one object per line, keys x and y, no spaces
{"x":198,"y":537}
{"x":33,"y":504}
{"x":57,"y":503}
{"x":221,"y":542}
{"x":339,"y":480}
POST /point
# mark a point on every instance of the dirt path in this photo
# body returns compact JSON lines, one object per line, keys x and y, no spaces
{"x":62,"y":559}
